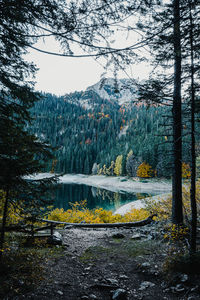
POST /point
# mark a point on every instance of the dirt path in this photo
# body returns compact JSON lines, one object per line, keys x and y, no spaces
{"x":110,"y":264}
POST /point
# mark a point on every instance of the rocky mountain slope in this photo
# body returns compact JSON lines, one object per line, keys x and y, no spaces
{"x":99,"y":124}
{"x":120,"y":92}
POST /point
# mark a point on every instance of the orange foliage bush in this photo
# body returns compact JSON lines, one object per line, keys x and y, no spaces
{"x":145,"y":171}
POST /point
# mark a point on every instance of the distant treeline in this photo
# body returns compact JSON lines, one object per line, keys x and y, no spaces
{"x":86,"y":138}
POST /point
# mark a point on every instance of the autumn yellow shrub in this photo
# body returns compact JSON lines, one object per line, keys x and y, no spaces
{"x":118,"y":165}
{"x":145,"y":171}
{"x":80,"y":213}
{"x":13,"y":214}
{"x":163,"y":206}
{"x":176,"y":232}
{"x":185,"y":170}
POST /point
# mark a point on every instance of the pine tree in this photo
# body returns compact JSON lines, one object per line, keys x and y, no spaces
{"x":18,"y":151}
{"x":132,"y":164}
{"x":166,"y":45}
{"x":177,"y":210}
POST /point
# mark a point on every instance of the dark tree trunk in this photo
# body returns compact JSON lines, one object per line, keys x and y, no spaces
{"x":5,"y":210}
{"x":193,"y":154}
{"x":177,"y":212}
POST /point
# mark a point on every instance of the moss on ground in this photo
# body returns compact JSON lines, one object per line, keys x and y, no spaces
{"x":119,"y":248}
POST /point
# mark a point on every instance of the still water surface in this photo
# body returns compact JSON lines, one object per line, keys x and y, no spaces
{"x":63,"y":194}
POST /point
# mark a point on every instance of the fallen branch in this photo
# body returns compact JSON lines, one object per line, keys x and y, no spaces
{"x":28,"y":229}
{"x":105,"y":225}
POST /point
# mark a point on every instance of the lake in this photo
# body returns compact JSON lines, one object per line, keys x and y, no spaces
{"x":63,"y":194}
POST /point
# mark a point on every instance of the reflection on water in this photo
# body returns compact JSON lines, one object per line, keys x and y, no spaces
{"x":96,"y":197}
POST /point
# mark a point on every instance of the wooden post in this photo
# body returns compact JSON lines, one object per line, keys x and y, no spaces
{"x":52,"y":229}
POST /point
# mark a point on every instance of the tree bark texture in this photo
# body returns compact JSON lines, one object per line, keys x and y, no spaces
{"x":177,"y":211}
{"x":5,"y":210}
{"x":193,"y":233}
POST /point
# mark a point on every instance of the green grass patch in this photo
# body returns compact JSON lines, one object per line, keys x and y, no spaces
{"x":92,"y":253}
{"x":119,"y":248}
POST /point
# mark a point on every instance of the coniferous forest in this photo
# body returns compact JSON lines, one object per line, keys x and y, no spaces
{"x":91,"y":129}
{"x":130,"y":127}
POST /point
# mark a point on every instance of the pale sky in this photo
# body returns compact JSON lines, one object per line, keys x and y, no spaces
{"x":61,"y":75}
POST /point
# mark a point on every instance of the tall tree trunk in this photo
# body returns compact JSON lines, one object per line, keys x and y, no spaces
{"x":177,"y":211}
{"x":193,"y":154}
{"x":5,"y":210}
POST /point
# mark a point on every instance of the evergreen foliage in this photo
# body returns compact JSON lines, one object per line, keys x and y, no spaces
{"x":19,"y":149}
{"x":87,"y":132}
{"x":174,"y":29}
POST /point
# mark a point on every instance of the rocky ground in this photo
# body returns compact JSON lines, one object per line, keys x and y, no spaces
{"x":113,"y":264}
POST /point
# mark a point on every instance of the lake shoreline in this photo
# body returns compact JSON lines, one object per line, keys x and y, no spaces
{"x":112,"y":183}
{"x":122,"y":210}
{"x":119,"y":184}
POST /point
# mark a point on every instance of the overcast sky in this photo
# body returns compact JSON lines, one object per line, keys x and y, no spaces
{"x":61,"y":75}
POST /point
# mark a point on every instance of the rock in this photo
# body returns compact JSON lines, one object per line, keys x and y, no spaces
{"x":145,"y":265}
{"x":172,"y":288}
{"x":163,"y":284}
{"x":92,"y":296}
{"x":60,"y":293}
{"x":119,"y":294}
{"x":68,"y":226}
{"x":55,"y":239}
{"x":184,"y":277}
{"x":123,"y":276}
{"x":179,"y":288}
{"x":136,"y":236}
{"x":195,"y":289}
{"x":112,"y":281}
{"x":118,"y":236}
{"x":146,"y":284}
{"x":150,"y":237}
{"x":57,"y":235}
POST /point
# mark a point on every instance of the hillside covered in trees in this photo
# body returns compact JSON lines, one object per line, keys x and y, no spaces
{"x":103,"y":127}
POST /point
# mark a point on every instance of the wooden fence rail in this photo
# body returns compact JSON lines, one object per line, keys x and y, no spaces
{"x":32,"y":231}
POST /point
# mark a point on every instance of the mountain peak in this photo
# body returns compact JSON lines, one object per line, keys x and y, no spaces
{"x":122,"y":91}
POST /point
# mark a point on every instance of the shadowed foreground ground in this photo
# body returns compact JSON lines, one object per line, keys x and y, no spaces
{"x":95,"y":264}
